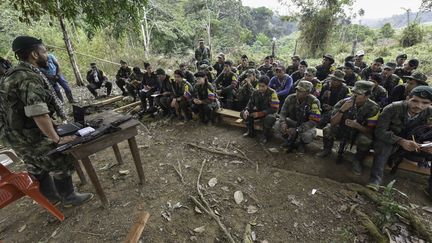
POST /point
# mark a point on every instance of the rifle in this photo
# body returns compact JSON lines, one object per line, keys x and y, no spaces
{"x":348,"y":135}
{"x":301,"y":117}
{"x":104,"y":129}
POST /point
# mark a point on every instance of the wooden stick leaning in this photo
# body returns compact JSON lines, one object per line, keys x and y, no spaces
{"x":207,"y":209}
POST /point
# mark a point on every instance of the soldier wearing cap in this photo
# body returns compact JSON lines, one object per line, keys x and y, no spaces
{"x":295,"y":62}
{"x":326,"y":68}
{"x":135,"y":81}
{"x":379,"y":93}
{"x":263,"y":104}
{"x":359,"y":60}
{"x":332,"y":92}
{"x":219,"y":65}
{"x":400,"y":60}
{"x":407,"y":69}
{"x":246,"y":87}
{"x":97,"y":79}
{"x":299,"y":116}
{"x":375,"y":67}
{"x":350,"y":76}
{"x":395,"y":124}
{"x":244,"y":65}
{"x":27,"y":106}
{"x":310,"y":76}
{"x":148,"y":87}
{"x":366,"y":115}
{"x":122,"y":76}
{"x":400,"y":92}
{"x":204,"y":100}
{"x":166,"y":92}
{"x":202,"y":53}
{"x":189,"y":76}
{"x":226,"y":84}
{"x":389,"y":80}
{"x":299,"y":74}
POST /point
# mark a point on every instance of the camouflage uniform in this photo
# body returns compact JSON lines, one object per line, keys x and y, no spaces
{"x":227,"y":83}
{"x":245,"y":91}
{"x":24,"y":93}
{"x":206,"y":94}
{"x":351,"y":79}
{"x":390,"y":82}
{"x":379,"y":95}
{"x":324,"y":71}
{"x":304,"y":117}
{"x":123,"y":73}
{"x":164,"y":101}
{"x":401,"y":72}
{"x":365,"y":73}
{"x":202,"y":54}
{"x":133,"y":88}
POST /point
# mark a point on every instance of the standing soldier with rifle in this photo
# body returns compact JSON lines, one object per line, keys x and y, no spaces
{"x":353,"y":121}
{"x":299,"y":116}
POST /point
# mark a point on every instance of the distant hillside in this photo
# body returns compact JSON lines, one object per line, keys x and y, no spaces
{"x":397,"y":21}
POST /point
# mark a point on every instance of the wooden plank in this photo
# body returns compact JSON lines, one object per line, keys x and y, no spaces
{"x":137,"y":228}
{"x":108,"y":101}
{"x":127,"y":106}
{"x":230,"y":113}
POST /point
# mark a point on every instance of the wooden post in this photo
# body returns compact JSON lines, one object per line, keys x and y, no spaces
{"x":69,"y":48}
{"x":135,"y":232}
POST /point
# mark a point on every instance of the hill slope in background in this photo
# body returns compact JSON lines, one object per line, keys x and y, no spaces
{"x":398,"y":21}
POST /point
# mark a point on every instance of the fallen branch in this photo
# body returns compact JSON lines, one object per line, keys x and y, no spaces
{"x":242,"y":156}
{"x":371,"y":227}
{"x":247,"y":158}
{"x":135,"y":232}
{"x":127,"y":106}
{"x":87,"y":233}
{"x":179,"y":172}
{"x":207,"y":209}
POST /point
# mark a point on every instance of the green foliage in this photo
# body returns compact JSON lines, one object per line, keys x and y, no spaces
{"x":387,"y":31}
{"x":411,"y":35}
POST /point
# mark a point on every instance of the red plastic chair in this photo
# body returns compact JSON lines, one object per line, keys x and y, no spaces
{"x":13,"y":186}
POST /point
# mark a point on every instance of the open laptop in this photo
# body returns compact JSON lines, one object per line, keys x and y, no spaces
{"x":73,"y":127}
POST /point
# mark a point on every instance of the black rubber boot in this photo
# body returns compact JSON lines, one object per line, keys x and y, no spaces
{"x":250,"y":129}
{"x":327,"y":148}
{"x":357,"y":164}
{"x":47,"y":187}
{"x":68,"y":194}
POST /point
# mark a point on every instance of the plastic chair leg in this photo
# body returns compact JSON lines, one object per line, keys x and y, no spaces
{"x":39,"y":198}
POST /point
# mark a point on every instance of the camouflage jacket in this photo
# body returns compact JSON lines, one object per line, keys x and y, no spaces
{"x":394,"y":123}
{"x":264,"y":104}
{"x":293,"y":112}
{"x":390,"y":82}
{"x":379,"y":95}
{"x":123,"y":73}
{"x":366,"y":115}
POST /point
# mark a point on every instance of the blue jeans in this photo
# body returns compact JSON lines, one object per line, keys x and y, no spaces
{"x":64,"y":84}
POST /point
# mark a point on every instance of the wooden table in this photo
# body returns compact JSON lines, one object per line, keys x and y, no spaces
{"x":83,"y":151}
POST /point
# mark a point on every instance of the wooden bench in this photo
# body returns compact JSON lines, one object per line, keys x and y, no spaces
{"x":233,"y":118}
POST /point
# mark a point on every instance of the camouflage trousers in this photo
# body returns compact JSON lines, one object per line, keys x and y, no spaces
{"x":37,"y":163}
{"x":305,"y":135}
{"x":362,"y":141}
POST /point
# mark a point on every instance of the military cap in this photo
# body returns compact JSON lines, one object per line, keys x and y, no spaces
{"x":330,"y":57}
{"x":203,"y":66}
{"x":404,"y":56}
{"x":295,"y":57}
{"x":264,"y":79}
{"x":205,"y":61}
{"x":363,"y":87}
{"x":390,"y":65}
{"x":221,"y":55}
{"x":92,"y":64}
{"x":419,"y":77}
{"x":338,"y":75}
{"x":311,"y":71}
{"x":160,"y":71}
{"x":360,"y":53}
{"x":413,"y":63}
{"x":304,"y":86}
{"x":122,"y":62}
{"x":250,"y":71}
{"x":304,"y":63}
{"x":200,"y":40}
{"x":423,"y":91}
{"x":349,"y":65}
{"x":349,"y":59}
{"x":380,"y":60}
{"x":200,"y":74}
{"x":244,"y":56}
{"x":136,"y":69}
{"x":24,"y":42}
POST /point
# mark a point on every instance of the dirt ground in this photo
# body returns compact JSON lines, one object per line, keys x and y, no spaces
{"x":292,"y":198}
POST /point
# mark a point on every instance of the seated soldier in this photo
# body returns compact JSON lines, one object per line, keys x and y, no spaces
{"x":358,"y":62}
{"x":204,"y":101}
{"x":189,"y":76}
{"x":326,"y":67}
{"x":148,"y":87}
{"x":134,"y":83}
{"x":395,"y":132}
{"x":122,"y":76}
{"x":379,"y":93}
{"x":353,"y":120}
{"x":166,"y":92}
{"x":389,"y":80}
{"x":295,"y":63}
{"x":225,"y":84}
{"x":350,"y":76}
{"x":299,"y":116}
{"x":375,"y":67}
{"x":400,"y":60}
{"x":246,"y":88}
{"x":97,"y":79}
{"x":400,"y":92}
{"x":181,"y":96}
{"x":263,"y":104}
{"x":407,"y":69}
{"x":244,"y":65}
{"x":208,"y":71}
{"x":281,"y":83}
{"x":299,"y":73}
{"x":331,"y":93}
{"x":310,"y":76}
{"x":264,"y":68}
{"x":219,"y":65}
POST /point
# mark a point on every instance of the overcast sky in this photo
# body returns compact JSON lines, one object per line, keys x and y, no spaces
{"x":373,"y":9}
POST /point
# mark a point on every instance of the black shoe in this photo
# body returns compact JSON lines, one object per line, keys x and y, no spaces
{"x":47,"y":188}
{"x":68,"y":194}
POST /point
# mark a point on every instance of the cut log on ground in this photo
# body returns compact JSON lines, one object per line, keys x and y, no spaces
{"x":137,"y":229}
{"x":131,"y":105}
{"x":108,"y":101}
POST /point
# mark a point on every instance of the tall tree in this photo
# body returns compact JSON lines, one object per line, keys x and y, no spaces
{"x":95,"y":13}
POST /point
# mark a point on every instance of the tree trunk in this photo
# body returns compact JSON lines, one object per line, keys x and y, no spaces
{"x":145,"y":34}
{"x":68,"y":43}
{"x":209,"y":27}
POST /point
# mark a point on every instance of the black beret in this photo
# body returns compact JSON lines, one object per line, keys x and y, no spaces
{"x":413,"y":63}
{"x":200,"y":75}
{"x":93,"y":64}
{"x":380,"y":60}
{"x":24,"y":42}
{"x":122,"y":62}
{"x":349,"y":65}
{"x":244,"y":57}
{"x":304,"y":63}
{"x":404,"y":56}
{"x":264,"y":79}
{"x":136,"y":69}
{"x":423,"y":91}
{"x":160,"y":71}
